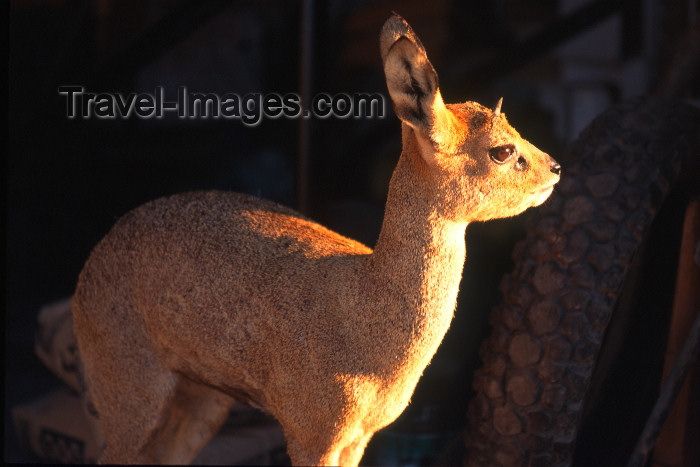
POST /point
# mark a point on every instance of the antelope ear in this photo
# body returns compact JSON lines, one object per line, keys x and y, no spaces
{"x":413,"y":87}
{"x":393,"y":29}
{"x":412,"y":83}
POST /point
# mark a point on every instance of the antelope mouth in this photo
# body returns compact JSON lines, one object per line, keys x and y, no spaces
{"x":541,"y":194}
{"x":544,"y":189}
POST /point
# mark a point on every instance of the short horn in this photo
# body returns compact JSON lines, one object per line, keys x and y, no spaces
{"x":497,"y":109}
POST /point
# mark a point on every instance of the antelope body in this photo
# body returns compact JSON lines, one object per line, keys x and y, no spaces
{"x":194,"y":301}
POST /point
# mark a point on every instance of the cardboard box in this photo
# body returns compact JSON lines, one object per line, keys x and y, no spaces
{"x":55,"y":343}
{"x":56,"y":428}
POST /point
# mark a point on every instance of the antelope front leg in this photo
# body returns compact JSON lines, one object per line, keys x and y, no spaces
{"x":328,"y":439}
{"x":313,"y":455}
{"x":344,"y":453}
{"x":351,"y":455}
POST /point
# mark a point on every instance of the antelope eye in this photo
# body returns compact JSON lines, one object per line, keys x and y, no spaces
{"x":500,"y":154}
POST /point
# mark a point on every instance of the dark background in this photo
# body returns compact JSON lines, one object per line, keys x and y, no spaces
{"x":557,"y":64}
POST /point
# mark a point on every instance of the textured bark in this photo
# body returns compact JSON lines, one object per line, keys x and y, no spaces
{"x":558,"y":300}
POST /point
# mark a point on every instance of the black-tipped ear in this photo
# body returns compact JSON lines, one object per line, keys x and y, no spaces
{"x":412,"y":83}
{"x":394,"y":28}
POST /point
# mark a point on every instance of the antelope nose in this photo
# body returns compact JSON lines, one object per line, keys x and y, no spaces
{"x":555,"y":168}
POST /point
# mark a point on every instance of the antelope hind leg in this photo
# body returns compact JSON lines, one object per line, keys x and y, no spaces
{"x":192,"y":418}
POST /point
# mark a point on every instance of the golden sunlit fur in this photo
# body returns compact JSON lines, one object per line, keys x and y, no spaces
{"x":193,"y":301}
